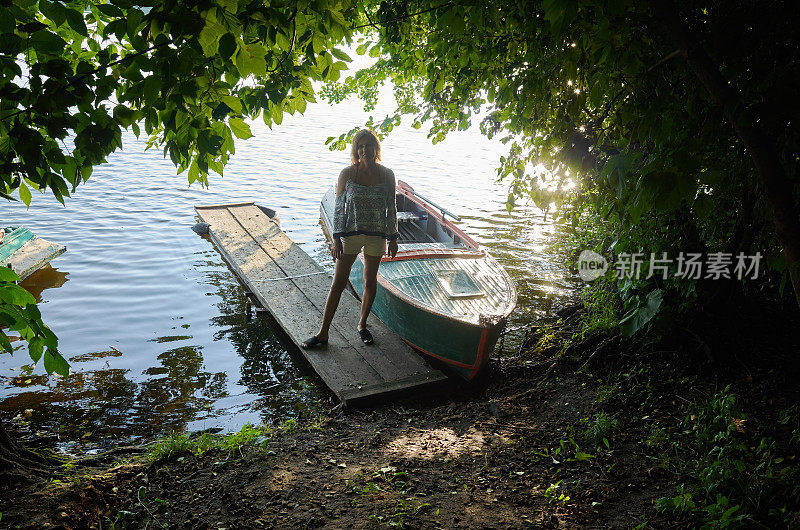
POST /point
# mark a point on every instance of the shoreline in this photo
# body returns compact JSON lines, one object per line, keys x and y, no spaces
{"x":543,"y":443}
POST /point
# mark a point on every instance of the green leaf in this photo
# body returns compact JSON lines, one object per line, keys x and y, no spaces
{"x":636,"y":318}
{"x":339,"y":54}
{"x":5,"y":343}
{"x":55,"y":363}
{"x":124,"y":115}
{"x":114,"y":27}
{"x":229,"y":5}
{"x":110,"y":10}
{"x":7,"y":21}
{"x":194,"y":171}
{"x":50,"y":339}
{"x":76,"y":21}
{"x":240,"y":128}
{"x":16,"y":295}
{"x":86,"y":172}
{"x":53,"y":11}
{"x":250,"y":60}
{"x":35,"y":348}
{"x":277,"y":114}
{"x":282,"y":40}
{"x":47,"y":42}
{"x":234,"y":103}
{"x":8,"y":275}
{"x":318,"y":43}
{"x":227,"y":45}
{"x":152,"y":86}
{"x":32,"y":27}
{"x":134,"y":17}
{"x":209,"y":37}
{"x":25,"y":194}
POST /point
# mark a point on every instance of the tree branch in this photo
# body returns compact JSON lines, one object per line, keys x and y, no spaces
{"x":291,"y":45}
{"x":405,"y":17}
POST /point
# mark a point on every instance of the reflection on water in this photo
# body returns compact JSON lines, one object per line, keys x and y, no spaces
{"x":45,"y":278}
{"x":152,"y":319}
{"x":105,"y":403}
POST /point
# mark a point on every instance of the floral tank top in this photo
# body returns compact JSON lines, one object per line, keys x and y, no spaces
{"x":368,"y":210}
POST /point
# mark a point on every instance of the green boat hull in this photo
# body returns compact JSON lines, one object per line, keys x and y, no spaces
{"x":465,"y":348}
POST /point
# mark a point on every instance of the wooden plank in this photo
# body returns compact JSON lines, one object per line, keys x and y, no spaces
{"x":293,"y":287}
{"x":294,"y":261}
{"x":288,"y":305}
{"x":217,"y":206}
{"x":385,"y":387}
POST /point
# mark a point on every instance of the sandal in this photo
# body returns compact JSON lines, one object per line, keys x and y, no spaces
{"x":366,"y":336}
{"x":313,"y":342}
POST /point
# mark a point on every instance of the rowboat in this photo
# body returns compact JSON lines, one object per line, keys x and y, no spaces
{"x":25,"y":253}
{"x":442,"y":293}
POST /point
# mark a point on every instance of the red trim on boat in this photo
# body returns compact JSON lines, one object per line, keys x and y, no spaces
{"x":479,"y":360}
{"x":435,"y":253}
{"x":444,"y":359}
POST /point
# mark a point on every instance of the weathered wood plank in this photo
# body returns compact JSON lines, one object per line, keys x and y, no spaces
{"x":32,"y":256}
{"x":293,"y":287}
{"x":217,"y":206}
{"x":364,"y":391}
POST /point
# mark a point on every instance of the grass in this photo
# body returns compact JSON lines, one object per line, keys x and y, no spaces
{"x":601,"y":429}
{"x":603,"y":306}
{"x":250,"y":436}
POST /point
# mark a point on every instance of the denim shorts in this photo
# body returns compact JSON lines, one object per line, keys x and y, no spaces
{"x":372,"y":245}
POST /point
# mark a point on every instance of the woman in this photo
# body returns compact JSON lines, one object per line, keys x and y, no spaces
{"x":365,"y":217}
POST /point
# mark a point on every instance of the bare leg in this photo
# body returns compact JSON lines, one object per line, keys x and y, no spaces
{"x":340,"y":275}
{"x":371,"y":264}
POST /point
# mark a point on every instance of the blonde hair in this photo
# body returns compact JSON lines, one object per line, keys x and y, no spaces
{"x":360,"y":135}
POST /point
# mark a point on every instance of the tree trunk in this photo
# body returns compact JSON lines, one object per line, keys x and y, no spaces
{"x":16,"y":462}
{"x":777,"y":187}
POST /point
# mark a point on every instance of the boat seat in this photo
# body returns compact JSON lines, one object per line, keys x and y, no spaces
{"x":412,"y":233}
{"x":410,"y":216}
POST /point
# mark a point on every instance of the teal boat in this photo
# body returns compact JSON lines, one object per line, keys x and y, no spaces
{"x":443,"y":294}
{"x":25,"y":253}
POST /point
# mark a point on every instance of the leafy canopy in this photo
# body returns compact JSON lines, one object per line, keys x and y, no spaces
{"x":73,"y":74}
{"x":602,"y":114}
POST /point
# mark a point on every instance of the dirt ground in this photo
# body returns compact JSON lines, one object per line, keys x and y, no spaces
{"x":499,"y":459}
{"x":526,"y":449}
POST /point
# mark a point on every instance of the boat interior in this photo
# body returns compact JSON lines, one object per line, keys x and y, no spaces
{"x":417,"y":228}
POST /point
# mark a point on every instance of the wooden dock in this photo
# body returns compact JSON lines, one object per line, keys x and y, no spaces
{"x":25,"y":253}
{"x":293,"y":288}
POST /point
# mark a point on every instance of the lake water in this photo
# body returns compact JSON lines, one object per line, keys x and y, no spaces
{"x":153,"y":321}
